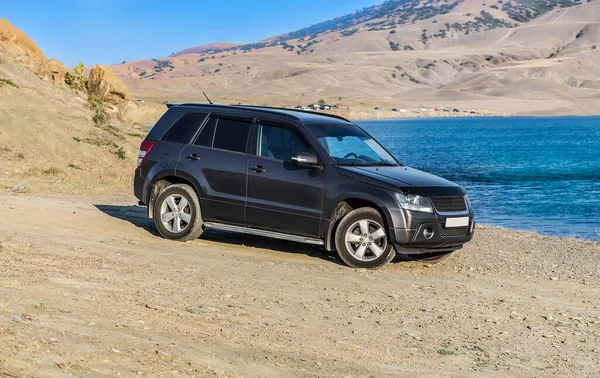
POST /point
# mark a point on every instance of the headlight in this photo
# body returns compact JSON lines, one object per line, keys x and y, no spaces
{"x":414,"y":202}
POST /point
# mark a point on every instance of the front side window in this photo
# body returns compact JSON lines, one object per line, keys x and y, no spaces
{"x":279,"y":143}
{"x":350,"y":145}
{"x":231,"y":135}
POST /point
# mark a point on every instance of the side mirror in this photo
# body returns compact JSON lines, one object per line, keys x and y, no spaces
{"x":305,"y":160}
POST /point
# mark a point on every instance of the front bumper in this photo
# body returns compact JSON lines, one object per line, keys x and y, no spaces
{"x":428,"y":233}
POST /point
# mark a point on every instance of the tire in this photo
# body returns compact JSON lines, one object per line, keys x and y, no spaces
{"x":189,"y":218}
{"x":433,"y":257}
{"x":354,"y":248}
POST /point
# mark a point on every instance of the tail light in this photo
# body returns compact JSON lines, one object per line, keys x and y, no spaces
{"x":144,"y":151}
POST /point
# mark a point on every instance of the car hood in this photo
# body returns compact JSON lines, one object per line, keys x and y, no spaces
{"x":409,"y":180}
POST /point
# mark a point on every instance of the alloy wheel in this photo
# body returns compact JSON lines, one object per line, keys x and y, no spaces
{"x":366,"y":240}
{"x":175,"y":213}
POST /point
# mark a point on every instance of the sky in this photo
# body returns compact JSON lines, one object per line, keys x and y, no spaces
{"x":113,"y":31}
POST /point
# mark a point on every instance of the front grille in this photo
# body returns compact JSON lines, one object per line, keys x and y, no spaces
{"x":447,"y":204}
{"x":454,"y":232}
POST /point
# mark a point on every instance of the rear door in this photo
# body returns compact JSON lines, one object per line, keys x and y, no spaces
{"x":281,"y":196}
{"x":218,"y":161}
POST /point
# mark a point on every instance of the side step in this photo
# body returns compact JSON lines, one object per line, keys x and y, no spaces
{"x":268,"y":234}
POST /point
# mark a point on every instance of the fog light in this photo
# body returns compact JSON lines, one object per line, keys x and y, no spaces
{"x":428,"y":233}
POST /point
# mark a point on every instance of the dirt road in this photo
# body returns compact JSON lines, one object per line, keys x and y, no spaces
{"x":86,"y":287}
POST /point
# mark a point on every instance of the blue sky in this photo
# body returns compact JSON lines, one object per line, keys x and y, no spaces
{"x":112,"y":31}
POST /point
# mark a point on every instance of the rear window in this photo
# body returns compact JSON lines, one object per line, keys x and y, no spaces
{"x":232,"y":135}
{"x":185,"y":128}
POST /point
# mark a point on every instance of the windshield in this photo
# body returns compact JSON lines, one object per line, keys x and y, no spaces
{"x":350,"y":145}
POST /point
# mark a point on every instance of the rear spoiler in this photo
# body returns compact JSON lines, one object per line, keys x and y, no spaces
{"x":172,"y":104}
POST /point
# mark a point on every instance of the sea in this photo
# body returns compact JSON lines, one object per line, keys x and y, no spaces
{"x":538,"y":174}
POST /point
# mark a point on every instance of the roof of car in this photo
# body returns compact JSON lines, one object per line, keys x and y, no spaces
{"x":304,"y":116}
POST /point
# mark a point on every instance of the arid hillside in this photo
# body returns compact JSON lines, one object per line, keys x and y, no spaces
{"x":516,"y":57}
{"x":50,"y":133}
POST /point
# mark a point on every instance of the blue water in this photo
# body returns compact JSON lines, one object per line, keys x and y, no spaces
{"x":538,"y":174}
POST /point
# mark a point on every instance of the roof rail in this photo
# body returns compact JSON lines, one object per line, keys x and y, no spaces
{"x":257,"y":108}
{"x":296,"y":110}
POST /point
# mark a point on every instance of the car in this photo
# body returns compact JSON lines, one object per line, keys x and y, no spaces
{"x":298,"y":176}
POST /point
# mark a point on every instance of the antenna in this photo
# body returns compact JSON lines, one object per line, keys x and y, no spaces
{"x":210,"y":102}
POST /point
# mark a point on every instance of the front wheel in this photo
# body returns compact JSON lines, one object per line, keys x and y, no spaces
{"x":362,"y":241}
{"x":177,"y":213}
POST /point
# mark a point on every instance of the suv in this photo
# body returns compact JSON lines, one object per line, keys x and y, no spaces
{"x":298,"y":176}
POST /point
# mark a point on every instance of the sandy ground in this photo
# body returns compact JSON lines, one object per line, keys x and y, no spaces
{"x":88,"y":288}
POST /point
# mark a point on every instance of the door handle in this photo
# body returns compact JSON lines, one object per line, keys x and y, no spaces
{"x":257,"y":169}
{"x":193,"y":157}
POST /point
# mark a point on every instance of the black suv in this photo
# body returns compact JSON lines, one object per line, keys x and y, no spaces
{"x":295,"y":175}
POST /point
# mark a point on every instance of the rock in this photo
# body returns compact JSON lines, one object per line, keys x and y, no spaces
{"x":17,"y":44}
{"x":53,"y":70}
{"x":17,"y":318}
{"x":104,"y":84}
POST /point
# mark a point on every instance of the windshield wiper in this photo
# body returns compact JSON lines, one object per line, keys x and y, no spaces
{"x":375,"y":164}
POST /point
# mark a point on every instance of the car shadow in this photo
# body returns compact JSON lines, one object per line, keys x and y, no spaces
{"x":137,"y":216}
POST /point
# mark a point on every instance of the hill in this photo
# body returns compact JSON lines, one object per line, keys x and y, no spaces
{"x":515,"y":57}
{"x":41,"y":144}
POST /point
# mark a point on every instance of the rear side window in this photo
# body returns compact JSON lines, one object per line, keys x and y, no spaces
{"x":207,"y":134}
{"x":232,"y":135}
{"x":185,"y":128}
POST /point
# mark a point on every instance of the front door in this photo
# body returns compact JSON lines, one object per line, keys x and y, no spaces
{"x":218,"y":161}
{"x":282,"y":197}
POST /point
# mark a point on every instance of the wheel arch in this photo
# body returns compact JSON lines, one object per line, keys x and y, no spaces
{"x":162,"y":181}
{"x":347,"y":205}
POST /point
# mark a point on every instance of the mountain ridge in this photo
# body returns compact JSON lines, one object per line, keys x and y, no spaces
{"x":402,"y":53}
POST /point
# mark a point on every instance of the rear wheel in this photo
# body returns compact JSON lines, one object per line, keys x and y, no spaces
{"x":362,"y":241}
{"x":177,"y":213}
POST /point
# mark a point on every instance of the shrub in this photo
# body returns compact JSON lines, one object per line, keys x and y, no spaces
{"x":96,"y":142}
{"x":77,"y":80}
{"x":579,"y":35}
{"x":594,"y":47}
{"x":4,"y":82}
{"x":75,"y":166}
{"x":446,"y":352}
{"x":201,"y":60}
{"x":52,"y":171}
{"x":120,"y":152}
{"x":143,"y":73}
{"x":394,"y":46}
{"x":98,"y":108}
{"x":347,"y":33}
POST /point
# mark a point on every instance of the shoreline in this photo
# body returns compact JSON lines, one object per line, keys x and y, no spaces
{"x":488,"y":226}
{"x":472,"y":116}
